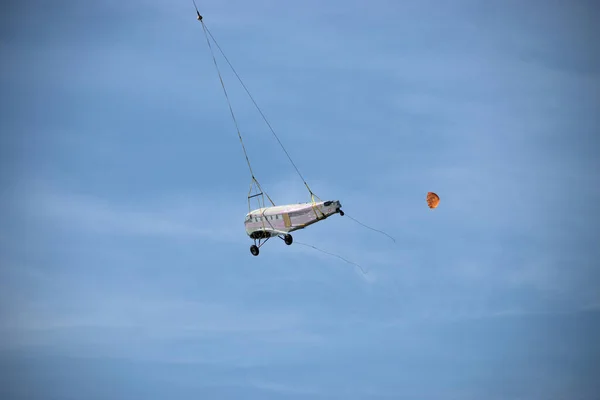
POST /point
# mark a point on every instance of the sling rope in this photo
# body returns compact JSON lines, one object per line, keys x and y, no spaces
{"x":208,"y":33}
{"x":262,"y":114}
{"x":254,"y":180}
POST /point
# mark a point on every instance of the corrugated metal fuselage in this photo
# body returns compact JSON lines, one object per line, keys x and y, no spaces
{"x":273,"y":221}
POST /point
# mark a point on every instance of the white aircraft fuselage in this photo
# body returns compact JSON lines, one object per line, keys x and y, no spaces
{"x":281,"y":220}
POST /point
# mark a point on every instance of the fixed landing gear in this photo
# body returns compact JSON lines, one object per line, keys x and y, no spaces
{"x":340,"y":211}
{"x":254,"y":249}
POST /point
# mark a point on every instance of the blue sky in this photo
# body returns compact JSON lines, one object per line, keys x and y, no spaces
{"x":125,"y":271}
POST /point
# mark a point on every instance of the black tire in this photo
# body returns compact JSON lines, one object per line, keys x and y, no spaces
{"x":254,"y":250}
{"x":341,"y":213}
{"x":288,"y":239}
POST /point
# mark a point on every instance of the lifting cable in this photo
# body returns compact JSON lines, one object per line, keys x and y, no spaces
{"x":254,"y":180}
{"x":207,"y":33}
{"x":206,"y":30}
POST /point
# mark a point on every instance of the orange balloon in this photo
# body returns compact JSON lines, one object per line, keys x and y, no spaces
{"x":432,"y":200}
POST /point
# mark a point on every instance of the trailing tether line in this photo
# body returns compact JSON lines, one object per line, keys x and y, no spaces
{"x":368,"y":227}
{"x":335,"y":255}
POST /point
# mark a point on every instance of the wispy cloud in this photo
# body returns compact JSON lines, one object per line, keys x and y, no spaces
{"x":177,"y":217}
{"x":163,"y":317}
{"x":284,"y":388}
{"x":123,"y":326}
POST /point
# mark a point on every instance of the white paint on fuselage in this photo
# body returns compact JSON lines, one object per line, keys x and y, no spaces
{"x":290,"y":217}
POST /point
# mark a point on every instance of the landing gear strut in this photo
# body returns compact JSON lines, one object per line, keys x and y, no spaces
{"x":254,"y":248}
{"x":287,"y":238}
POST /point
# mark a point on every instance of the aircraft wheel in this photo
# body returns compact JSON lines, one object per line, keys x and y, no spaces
{"x":288,"y":239}
{"x":254,"y":250}
{"x":341,"y":213}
